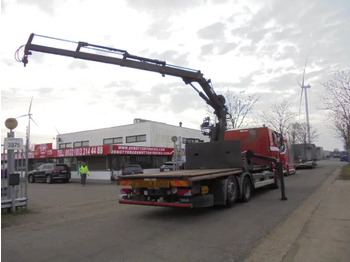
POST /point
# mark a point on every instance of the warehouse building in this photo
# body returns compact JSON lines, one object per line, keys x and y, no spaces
{"x":144,"y":142}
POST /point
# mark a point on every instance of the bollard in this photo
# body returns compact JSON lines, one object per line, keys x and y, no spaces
{"x":279,"y":168}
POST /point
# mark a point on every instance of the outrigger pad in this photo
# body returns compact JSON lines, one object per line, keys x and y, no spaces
{"x":212,"y":155}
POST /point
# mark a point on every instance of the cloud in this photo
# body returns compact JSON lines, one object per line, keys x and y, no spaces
{"x":214,"y":31}
{"x":118,"y":84}
{"x":160,"y":29}
{"x":164,"y":7}
{"x":47,"y":6}
{"x":78,"y":64}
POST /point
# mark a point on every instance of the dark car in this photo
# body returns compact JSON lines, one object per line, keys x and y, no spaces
{"x":169,"y":166}
{"x":132,"y":169}
{"x":49,"y":173}
{"x":344,"y":158}
{"x":128,"y":169}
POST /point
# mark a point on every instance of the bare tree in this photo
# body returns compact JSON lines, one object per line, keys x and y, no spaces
{"x":239,"y":105}
{"x":279,"y":117}
{"x":337,"y":101}
{"x":293,"y":133}
{"x":298,"y":133}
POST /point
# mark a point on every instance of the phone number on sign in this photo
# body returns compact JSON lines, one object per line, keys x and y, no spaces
{"x":82,"y":151}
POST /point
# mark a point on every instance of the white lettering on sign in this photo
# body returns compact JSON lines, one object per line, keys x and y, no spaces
{"x":13,"y":143}
{"x":80,"y":151}
{"x":139,"y":150}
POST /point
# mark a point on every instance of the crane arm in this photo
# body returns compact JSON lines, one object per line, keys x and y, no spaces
{"x":123,"y":58}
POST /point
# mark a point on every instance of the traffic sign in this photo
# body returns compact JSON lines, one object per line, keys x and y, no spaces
{"x":13,"y":143}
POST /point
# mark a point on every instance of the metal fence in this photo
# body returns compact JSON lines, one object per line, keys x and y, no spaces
{"x":14,"y":185}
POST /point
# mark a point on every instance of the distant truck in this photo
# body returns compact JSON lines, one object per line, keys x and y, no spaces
{"x":216,"y":173}
{"x":305,"y":155}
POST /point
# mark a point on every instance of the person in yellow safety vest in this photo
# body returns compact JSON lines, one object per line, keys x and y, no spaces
{"x":84,"y":171}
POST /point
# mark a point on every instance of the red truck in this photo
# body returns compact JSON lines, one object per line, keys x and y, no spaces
{"x":202,"y":184}
{"x":266,"y":142}
{"x":219,"y":172}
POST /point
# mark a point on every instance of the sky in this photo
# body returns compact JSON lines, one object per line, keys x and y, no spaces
{"x":259,"y":47}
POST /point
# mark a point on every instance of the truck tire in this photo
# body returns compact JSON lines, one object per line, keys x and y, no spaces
{"x":232,"y":191}
{"x":246,"y":189}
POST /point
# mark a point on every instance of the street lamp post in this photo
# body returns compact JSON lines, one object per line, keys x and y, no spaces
{"x":11,"y":123}
{"x":174,"y":139}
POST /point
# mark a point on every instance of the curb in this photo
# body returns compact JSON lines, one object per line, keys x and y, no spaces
{"x":275,"y":246}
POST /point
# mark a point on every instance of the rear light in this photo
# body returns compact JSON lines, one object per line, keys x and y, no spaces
{"x":141,"y":172}
{"x":57,"y":170}
{"x":125,"y":191}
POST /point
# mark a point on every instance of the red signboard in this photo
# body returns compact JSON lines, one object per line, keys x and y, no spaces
{"x":46,"y":151}
{"x":84,"y":151}
{"x":142,"y":150}
{"x":43,"y":151}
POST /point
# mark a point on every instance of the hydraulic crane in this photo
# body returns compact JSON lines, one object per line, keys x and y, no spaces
{"x":120,"y":57}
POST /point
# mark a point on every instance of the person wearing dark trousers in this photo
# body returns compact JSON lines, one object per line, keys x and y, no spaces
{"x":84,"y":171}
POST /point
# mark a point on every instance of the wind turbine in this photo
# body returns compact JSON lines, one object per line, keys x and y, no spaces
{"x":304,"y":87}
{"x":30,"y":118}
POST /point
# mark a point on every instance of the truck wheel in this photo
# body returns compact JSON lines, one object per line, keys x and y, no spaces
{"x":231,"y":191}
{"x":31,"y":179}
{"x":48,"y":179}
{"x":247,"y":189}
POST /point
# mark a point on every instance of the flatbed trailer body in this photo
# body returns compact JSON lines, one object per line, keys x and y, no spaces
{"x":194,"y":187}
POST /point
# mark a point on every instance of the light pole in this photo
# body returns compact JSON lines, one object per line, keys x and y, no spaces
{"x":11,"y":123}
{"x":174,"y":139}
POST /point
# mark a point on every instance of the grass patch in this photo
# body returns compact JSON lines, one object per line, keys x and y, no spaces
{"x":345,"y":174}
{"x":347,"y":170}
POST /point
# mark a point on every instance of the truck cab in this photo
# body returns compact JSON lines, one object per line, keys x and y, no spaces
{"x":266,"y":142}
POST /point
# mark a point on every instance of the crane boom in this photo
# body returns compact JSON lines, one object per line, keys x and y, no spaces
{"x":189,"y":76}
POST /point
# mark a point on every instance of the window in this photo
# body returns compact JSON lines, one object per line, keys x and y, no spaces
{"x":191,"y":140}
{"x":81,"y":144}
{"x":113,"y":140}
{"x":65,"y":145}
{"x":135,"y":139}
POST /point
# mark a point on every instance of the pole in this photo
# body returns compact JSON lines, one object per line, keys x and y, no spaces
{"x":26,"y":173}
{"x":279,"y":167}
{"x":307,"y":114}
{"x":175,"y":156}
{"x":11,"y":170}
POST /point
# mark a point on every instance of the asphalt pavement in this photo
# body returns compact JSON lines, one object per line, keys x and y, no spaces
{"x":318,"y":230}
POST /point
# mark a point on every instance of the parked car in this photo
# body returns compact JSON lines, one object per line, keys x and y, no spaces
{"x":169,"y":166}
{"x":344,"y":158}
{"x":49,"y":173}
{"x":131,"y":169}
{"x":128,"y":169}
